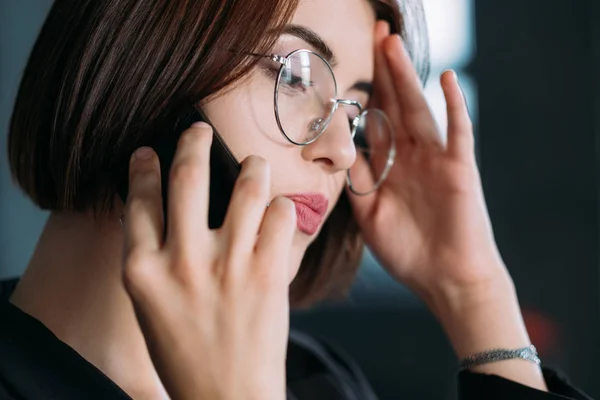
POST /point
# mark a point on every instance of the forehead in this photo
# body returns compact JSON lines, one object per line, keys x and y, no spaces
{"x":347,"y":26}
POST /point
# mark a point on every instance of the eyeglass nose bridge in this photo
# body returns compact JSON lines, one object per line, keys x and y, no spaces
{"x":352,"y":103}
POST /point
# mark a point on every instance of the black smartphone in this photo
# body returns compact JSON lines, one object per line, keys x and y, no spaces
{"x":224,"y":168}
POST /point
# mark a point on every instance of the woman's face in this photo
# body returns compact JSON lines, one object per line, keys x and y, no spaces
{"x":245,"y":118}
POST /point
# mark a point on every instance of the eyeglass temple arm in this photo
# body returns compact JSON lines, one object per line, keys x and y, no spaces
{"x":273,"y":57}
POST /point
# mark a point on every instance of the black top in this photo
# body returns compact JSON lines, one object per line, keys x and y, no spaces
{"x":35,"y":364}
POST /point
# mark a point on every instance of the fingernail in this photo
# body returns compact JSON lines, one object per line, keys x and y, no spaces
{"x":143,"y":153}
{"x":199,"y":124}
{"x":400,"y":43}
{"x":451,"y":72}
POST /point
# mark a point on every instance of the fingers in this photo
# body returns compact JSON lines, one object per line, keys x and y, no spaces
{"x":248,"y":205}
{"x":143,"y":224}
{"x":460,"y":129}
{"x":276,"y":234}
{"x":189,"y":187}
{"x":415,"y":113}
{"x":383,"y":85}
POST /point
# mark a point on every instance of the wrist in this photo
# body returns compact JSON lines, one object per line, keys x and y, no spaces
{"x":483,"y":317}
{"x":445,"y":298}
{"x":480,"y":316}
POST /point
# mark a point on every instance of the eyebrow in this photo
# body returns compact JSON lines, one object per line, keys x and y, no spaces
{"x":363,"y":86}
{"x":313,"y":39}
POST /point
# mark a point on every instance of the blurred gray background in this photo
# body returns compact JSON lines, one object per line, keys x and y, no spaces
{"x":530,"y":72}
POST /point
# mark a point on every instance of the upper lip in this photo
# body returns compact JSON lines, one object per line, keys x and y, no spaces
{"x":315,"y":201}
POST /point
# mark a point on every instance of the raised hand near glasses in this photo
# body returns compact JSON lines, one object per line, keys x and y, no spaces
{"x":213,"y":305}
{"x":428,"y":223}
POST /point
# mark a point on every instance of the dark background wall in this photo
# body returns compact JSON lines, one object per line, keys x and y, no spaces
{"x":538,"y":116}
{"x":537,"y":73}
{"x":20,"y":222}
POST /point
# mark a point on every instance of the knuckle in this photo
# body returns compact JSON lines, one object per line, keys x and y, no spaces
{"x":144,"y":176}
{"x":182,"y":271}
{"x":137,"y":204}
{"x":252,"y":188}
{"x":200,"y":136}
{"x":256,"y":165}
{"x":285,"y":210}
{"x":138,"y":275}
{"x":253,"y":183}
{"x":184,"y":268}
{"x":185,"y":173}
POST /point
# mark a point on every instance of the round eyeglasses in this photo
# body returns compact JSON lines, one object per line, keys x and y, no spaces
{"x":305,"y":101}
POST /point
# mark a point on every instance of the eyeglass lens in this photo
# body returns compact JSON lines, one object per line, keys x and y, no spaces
{"x":305,"y":103}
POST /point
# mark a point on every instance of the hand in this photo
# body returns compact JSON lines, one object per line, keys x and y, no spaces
{"x":212,"y":305}
{"x":428,"y":223}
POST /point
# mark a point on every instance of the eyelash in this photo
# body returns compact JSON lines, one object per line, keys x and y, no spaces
{"x":273,"y":73}
{"x":297,"y":80}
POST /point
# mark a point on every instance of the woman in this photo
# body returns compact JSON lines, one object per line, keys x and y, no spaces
{"x":110,"y":308}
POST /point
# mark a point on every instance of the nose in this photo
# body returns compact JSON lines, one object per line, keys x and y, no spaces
{"x":334,"y":149}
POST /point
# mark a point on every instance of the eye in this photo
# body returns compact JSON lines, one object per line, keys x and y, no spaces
{"x":296,"y":82}
{"x":269,"y":71}
{"x":289,"y":81}
{"x":360,"y":138}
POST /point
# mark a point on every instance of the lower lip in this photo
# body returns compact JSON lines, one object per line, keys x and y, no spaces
{"x":308,"y":220}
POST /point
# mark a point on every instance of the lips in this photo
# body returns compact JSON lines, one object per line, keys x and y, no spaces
{"x":310,"y":210}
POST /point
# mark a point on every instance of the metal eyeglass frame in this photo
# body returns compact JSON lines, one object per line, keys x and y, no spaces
{"x":283,"y":61}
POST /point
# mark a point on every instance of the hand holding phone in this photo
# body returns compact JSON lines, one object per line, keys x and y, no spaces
{"x":210,"y":303}
{"x":224,"y":168}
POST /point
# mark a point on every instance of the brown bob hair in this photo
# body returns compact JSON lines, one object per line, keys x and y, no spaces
{"x":102,"y":73}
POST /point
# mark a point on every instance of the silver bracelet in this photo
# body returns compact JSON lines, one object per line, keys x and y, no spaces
{"x":528,"y":353}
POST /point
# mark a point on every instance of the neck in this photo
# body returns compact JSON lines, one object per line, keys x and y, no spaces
{"x":73,"y":286}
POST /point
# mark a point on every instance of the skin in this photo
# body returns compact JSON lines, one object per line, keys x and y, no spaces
{"x":321,"y":166}
{"x":142,"y":309}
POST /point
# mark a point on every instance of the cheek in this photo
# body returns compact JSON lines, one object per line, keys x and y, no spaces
{"x":339,"y":183}
{"x":245,"y":118}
